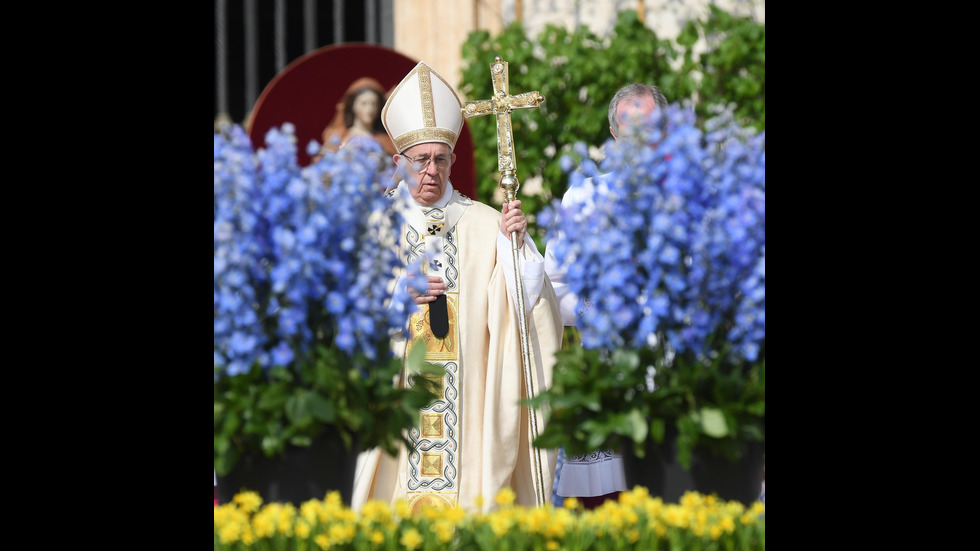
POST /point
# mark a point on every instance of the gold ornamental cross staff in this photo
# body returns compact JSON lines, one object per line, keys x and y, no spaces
{"x":501,"y":104}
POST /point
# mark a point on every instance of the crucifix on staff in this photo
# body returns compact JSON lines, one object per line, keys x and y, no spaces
{"x":501,"y":105}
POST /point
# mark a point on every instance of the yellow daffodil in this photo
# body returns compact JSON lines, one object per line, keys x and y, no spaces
{"x":444,"y":530}
{"x":230,"y":533}
{"x":411,"y":539}
{"x":263,"y":526}
{"x":248,"y":501}
{"x":402,"y":509}
{"x":727,"y":524}
{"x":302,"y":529}
{"x":455,"y":515}
{"x":505,"y":497}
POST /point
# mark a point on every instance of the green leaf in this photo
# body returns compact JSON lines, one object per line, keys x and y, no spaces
{"x":752,"y":432}
{"x":657,"y":429}
{"x":637,"y":426}
{"x":272,"y":445}
{"x":321,"y":408}
{"x":299,"y":409}
{"x":688,"y":35}
{"x":592,"y":401}
{"x":713,"y":422}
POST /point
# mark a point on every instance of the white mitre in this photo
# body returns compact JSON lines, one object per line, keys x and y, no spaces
{"x":422,"y":108}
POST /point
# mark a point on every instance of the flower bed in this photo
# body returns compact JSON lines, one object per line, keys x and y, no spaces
{"x":302,"y":302}
{"x":635,"y":521}
{"x":672,"y":276}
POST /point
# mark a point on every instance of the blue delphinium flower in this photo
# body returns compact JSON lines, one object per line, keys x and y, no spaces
{"x":675,"y":244}
{"x":302,"y":256}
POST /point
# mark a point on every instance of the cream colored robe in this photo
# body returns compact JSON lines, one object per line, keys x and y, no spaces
{"x":490,"y":447}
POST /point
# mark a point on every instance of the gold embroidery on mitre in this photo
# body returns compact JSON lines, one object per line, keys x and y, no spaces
{"x":425,"y":94}
{"x":425,"y":135}
{"x":431,"y":464}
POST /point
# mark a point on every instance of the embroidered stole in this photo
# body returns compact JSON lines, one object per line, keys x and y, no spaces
{"x":433,"y":461}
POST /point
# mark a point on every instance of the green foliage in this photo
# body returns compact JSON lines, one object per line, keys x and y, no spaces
{"x":733,"y":69}
{"x":266,"y":410}
{"x":578,"y":73}
{"x":706,"y":403}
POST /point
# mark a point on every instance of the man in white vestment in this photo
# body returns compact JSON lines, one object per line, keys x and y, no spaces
{"x":595,"y":477}
{"x":476,"y":439}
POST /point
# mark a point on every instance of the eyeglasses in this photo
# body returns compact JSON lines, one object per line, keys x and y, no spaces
{"x":421,"y":163}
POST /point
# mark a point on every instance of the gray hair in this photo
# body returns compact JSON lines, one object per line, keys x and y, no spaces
{"x":632,"y":91}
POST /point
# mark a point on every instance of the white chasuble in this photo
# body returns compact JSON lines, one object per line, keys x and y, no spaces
{"x":475,"y":439}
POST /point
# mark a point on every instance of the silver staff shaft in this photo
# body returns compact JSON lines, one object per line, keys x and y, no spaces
{"x":509,"y":183}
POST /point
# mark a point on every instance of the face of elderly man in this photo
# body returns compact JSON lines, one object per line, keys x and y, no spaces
{"x":632,"y":116}
{"x":430,"y":164}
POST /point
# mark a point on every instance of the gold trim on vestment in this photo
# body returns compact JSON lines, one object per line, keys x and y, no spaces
{"x":433,"y":461}
{"x":437,"y":349}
